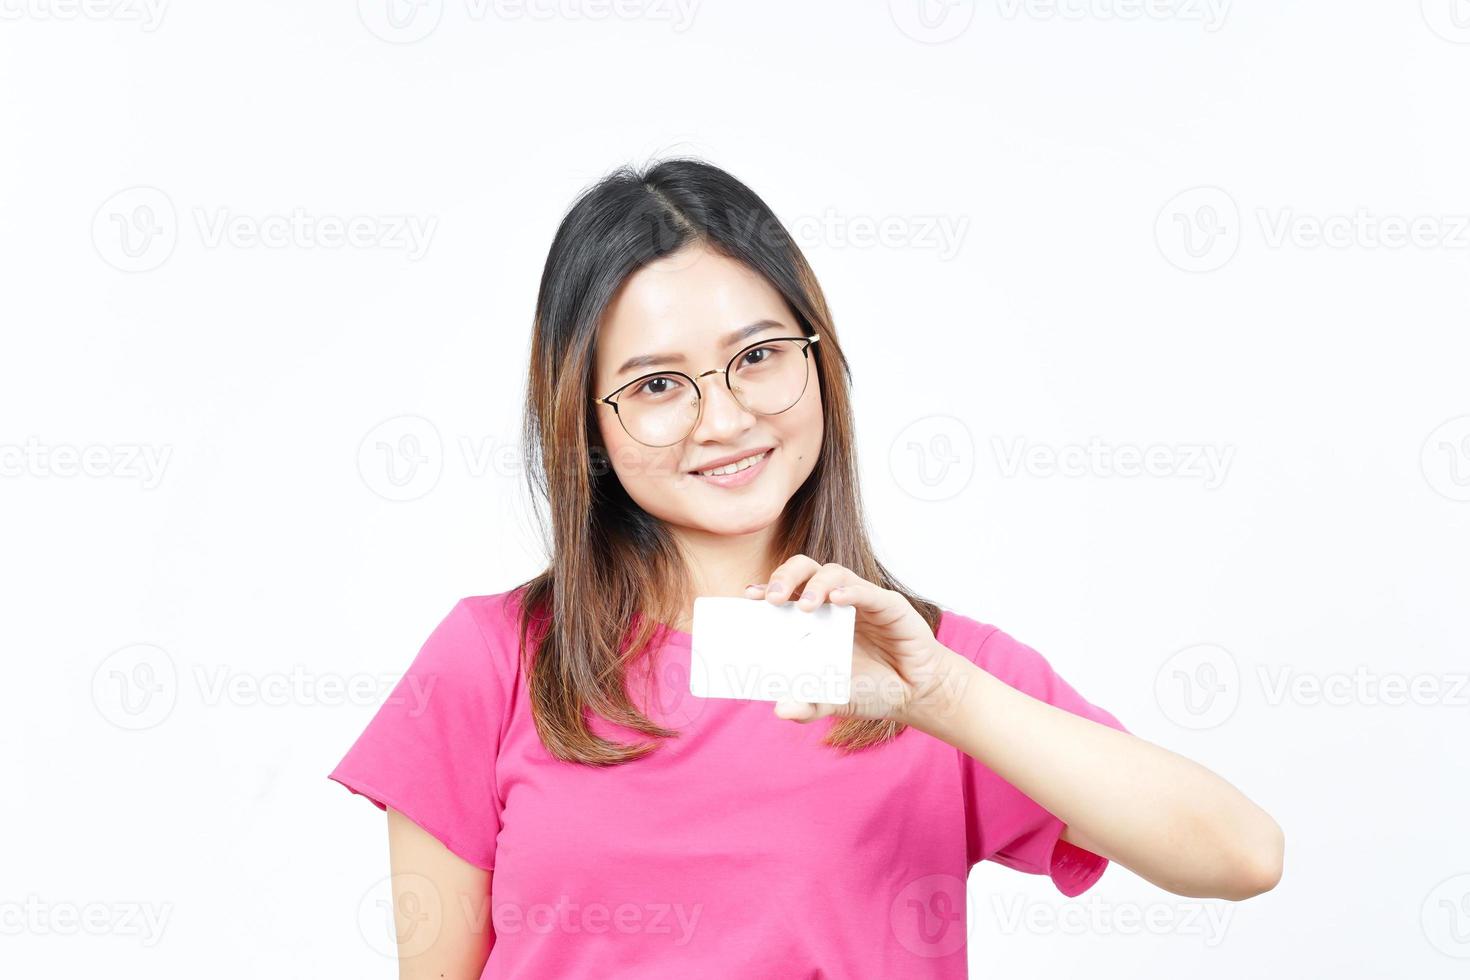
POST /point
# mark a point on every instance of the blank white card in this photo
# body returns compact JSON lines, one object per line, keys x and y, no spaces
{"x":756,"y":651}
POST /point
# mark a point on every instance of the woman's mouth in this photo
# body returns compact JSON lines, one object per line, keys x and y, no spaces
{"x":736,"y":474}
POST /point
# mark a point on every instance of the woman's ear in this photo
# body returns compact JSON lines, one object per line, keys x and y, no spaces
{"x":598,"y":461}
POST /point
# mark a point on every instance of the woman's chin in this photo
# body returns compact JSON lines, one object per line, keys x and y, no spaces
{"x":732,"y":520}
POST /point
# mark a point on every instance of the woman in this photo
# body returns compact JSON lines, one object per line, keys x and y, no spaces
{"x":689,"y":428}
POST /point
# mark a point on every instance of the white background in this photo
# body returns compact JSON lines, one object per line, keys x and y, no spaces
{"x":1214,"y":228}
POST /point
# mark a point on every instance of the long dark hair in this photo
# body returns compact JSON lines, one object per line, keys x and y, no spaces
{"x":615,"y":571}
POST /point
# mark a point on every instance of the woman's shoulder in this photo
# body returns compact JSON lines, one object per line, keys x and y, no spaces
{"x":991,"y":647}
{"x":961,"y":633}
{"x":495,"y":612}
{"x":478,"y":630}
{"x":1016,"y":663}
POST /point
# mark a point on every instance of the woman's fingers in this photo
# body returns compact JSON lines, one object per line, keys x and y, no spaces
{"x":803,"y":711}
{"x":789,"y":578}
{"x":819,"y":587}
{"x":877,"y":604}
{"x":800,"y":578}
{"x":810,"y":584}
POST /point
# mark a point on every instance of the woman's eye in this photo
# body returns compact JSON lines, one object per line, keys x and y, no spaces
{"x":758,"y":356}
{"x":655,"y":387}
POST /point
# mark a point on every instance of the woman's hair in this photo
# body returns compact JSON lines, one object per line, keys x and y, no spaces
{"x":616,"y":573}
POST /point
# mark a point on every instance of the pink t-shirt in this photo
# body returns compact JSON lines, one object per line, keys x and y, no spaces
{"x":743,"y":848}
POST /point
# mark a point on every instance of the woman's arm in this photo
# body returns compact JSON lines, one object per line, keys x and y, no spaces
{"x":1160,"y":815}
{"x":1164,"y":817}
{"x":441,"y":906}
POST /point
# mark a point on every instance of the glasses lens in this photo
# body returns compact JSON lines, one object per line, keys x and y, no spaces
{"x":770,"y":378}
{"x":767,"y":379}
{"x":659,"y":410}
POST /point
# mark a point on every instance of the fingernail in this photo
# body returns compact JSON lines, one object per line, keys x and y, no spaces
{"x":776,"y":588}
{"x":755,"y":588}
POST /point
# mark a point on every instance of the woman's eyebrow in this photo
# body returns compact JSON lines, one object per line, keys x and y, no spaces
{"x":729,"y":340}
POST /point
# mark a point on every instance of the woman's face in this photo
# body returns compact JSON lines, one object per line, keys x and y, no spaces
{"x":686,"y":306}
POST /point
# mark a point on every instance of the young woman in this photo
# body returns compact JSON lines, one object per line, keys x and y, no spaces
{"x":559,"y":805}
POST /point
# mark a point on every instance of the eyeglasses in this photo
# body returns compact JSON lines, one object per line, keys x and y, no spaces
{"x":766,"y":378}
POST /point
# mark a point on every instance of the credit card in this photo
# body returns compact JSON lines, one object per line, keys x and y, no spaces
{"x":755,"y":651}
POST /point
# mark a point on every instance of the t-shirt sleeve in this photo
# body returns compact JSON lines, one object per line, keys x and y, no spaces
{"x":429,"y":751}
{"x":1004,"y":825}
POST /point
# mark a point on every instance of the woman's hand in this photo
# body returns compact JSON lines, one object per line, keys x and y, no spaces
{"x":896,"y":662}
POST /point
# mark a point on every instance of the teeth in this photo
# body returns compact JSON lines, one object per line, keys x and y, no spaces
{"x":735,"y":467}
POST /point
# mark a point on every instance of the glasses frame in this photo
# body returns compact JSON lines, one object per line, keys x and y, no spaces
{"x":699,"y":393}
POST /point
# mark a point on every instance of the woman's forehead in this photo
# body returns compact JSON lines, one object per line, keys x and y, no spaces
{"x":688,"y":314}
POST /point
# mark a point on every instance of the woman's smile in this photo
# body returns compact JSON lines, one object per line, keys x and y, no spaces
{"x":736,"y":474}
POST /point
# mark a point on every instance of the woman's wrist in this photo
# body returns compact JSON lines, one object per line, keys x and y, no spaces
{"x":945,"y":699}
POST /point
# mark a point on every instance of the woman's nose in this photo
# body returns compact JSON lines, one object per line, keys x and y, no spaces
{"x":718,"y":404}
